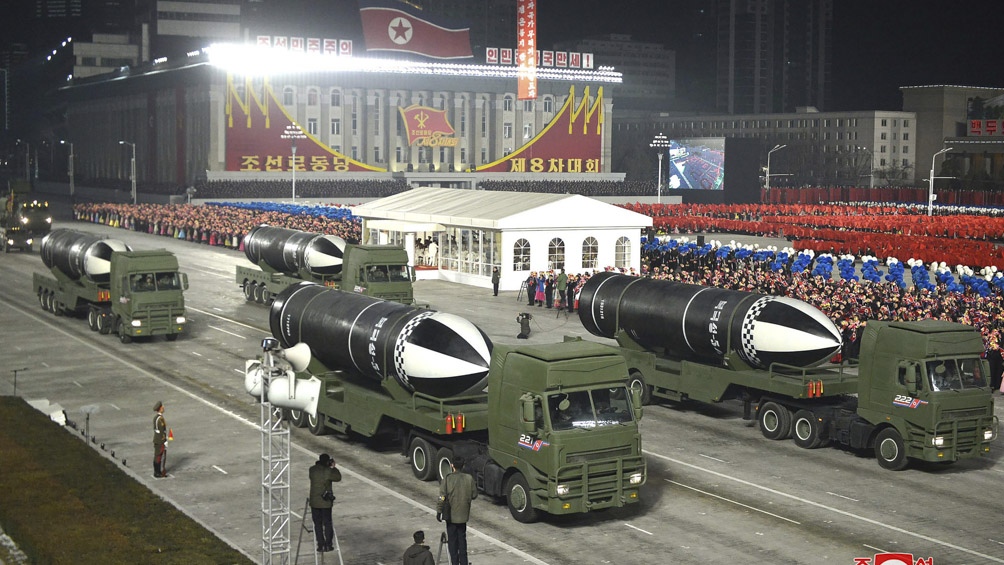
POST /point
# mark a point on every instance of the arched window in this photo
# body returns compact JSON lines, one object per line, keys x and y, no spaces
{"x":312,"y":97}
{"x":507,"y":103}
{"x":336,"y":97}
{"x":288,"y":96}
{"x":622,"y":253}
{"x":590,"y":253}
{"x":556,"y":254}
{"x":521,"y":255}
{"x":548,"y":105}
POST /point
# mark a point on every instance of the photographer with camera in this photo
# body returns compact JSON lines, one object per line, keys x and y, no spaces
{"x":322,"y":474}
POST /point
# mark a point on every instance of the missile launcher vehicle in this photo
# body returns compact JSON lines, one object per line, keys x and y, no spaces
{"x":285,"y":257}
{"x":130,"y":293}
{"x":917,"y":390}
{"x":549,"y":428}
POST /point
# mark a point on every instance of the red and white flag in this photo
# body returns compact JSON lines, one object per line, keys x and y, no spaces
{"x":389,"y":25}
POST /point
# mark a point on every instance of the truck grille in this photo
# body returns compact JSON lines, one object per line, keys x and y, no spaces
{"x":963,"y":414}
{"x":596,"y":455}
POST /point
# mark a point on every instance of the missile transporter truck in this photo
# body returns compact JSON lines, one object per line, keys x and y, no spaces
{"x":131,"y":293}
{"x":23,"y":220}
{"x":284,"y":257}
{"x":556,"y":431}
{"x":920,"y":390}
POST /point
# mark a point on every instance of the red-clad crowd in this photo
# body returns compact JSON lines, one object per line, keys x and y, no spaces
{"x":223,"y":226}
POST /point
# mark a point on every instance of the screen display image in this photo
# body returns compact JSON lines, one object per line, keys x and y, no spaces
{"x":696,"y":164}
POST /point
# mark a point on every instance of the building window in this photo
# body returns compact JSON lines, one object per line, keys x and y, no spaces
{"x":312,"y":126}
{"x":484,"y":156}
{"x":906,"y":123}
{"x":548,"y":105}
{"x":355,"y":153}
{"x":336,"y":98}
{"x":884,"y":123}
{"x":336,"y":126}
{"x":355,"y":122}
{"x":288,"y":96}
{"x":399,"y":154}
{"x":376,"y":154}
{"x":527,"y":131}
{"x":556,"y":254}
{"x":906,"y":136}
{"x":507,"y":131}
{"x":906,"y":149}
{"x":882,"y":149}
{"x":906,"y":163}
{"x":484,"y":124}
{"x":883,"y":136}
{"x":528,"y":105}
{"x":521,"y":255}
{"x":590,"y":253}
{"x":463,"y":123}
{"x":312,"y":97}
{"x":622,"y":253}
{"x":507,"y":103}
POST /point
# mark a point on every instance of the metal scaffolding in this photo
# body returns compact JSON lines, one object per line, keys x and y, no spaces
{"x":275,"y":459}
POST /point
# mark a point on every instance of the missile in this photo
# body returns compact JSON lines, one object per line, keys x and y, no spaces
{"x":425,"y":351}
{"x":294,"y":252}
{"x":703,"y":323}
{"x":77,"y":254}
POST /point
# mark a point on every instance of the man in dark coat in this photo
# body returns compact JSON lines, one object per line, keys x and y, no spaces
{"x":159,"y":442}
{"x":418,"y":553}
{"x":322,"y":474}
{"x":459,"y":490}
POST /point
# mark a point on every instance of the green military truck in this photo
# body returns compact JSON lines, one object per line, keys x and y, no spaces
{"x":24,"y":220}
{"x":556,"y":432}
{"x":130,"y":293}
{"x":918,"y":390}
{"x":285,"y":257}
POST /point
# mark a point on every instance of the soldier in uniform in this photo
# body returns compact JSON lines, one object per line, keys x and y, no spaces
{"x":159,"y":442}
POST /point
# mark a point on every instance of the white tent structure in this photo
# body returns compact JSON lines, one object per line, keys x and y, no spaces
{"x":475,"y":230}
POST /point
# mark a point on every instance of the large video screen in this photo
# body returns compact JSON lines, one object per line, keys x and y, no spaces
{"x":696,"y":164}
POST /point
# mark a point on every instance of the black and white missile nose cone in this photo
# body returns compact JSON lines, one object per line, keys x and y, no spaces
{"x":323,"y":255}
{"x":442,"y":355}
{"x":98,"y":260}
{"x":785,"y":330}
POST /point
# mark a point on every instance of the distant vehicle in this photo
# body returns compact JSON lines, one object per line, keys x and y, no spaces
{"x":131,"y":293}
{"x":287,"y":257}
{"x":24,"y":220}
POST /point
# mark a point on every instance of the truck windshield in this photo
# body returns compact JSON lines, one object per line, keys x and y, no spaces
{"x":388,"y":273}
{"x":149,"y":282}
{"x":956,"y":374}
{"x":589,"y":408}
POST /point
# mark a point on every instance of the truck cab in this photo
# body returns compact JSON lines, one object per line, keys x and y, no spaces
{"x":925,"y":388}
{"x":379,"y":271}
{"x":147,"y":297}
{"x":571,"y":442}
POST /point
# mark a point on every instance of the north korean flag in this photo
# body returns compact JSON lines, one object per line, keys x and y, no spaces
{"x":389,"y":25}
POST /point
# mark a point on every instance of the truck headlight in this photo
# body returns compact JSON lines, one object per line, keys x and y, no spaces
{"x":179,"y":320}
{"x":24,"y":221}
{"x":988,"y":435}
{"x":938,"y":441}
{"x":137,"y":323}
{"x":635,"y":479}
{"x":562,"y":489}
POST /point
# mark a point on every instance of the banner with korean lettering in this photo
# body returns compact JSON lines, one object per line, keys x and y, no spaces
{"x":255,"y":122}
{"x":572,"y":142}
{"x":526,"y":49}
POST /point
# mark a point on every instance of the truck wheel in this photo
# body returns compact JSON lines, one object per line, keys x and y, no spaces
{"x":256,"y":293}
{"x":266,"y":296}
{"x":297,"y":417}
{"x":41,"y":299}
{"x":92,"y":319}
{"x":249,"y":291}
{"x":421,"y":456}
{"x":104,"y":324}
{"x":444,"y":459}
{"x":637,"y":381}
{"x":806,"y":430}
{"x":49,"y":301}
{"x":125,"y":338}
{"x":518,"y":499}
{"x":172,"y":337}
{"x":775,"y":421}
{"x":889,"y":450}
{"x":316,"y":424}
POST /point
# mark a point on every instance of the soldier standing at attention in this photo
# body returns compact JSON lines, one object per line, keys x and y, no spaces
{"x":159,"y":442}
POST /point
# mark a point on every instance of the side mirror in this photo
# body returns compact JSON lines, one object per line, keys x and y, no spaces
{"x":636,"y":402}
{"x":184,"y":281}
{"x":527,"y":420}
{"x":911,"y":379}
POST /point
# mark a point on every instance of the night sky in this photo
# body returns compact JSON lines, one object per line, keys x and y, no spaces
{"x":879,"y":45}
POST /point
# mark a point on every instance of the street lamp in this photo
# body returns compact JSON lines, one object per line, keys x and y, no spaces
{"x":69,"y":165}
{"x":293,"y":132}
{"x":660,"y":142}
{"x":930,"y":181}
{"x":767,"y":172}
{"x":132,"y":168}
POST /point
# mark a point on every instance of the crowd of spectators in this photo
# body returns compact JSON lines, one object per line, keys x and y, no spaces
{"x":304,"y":188}
{"x":222,"y":225}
